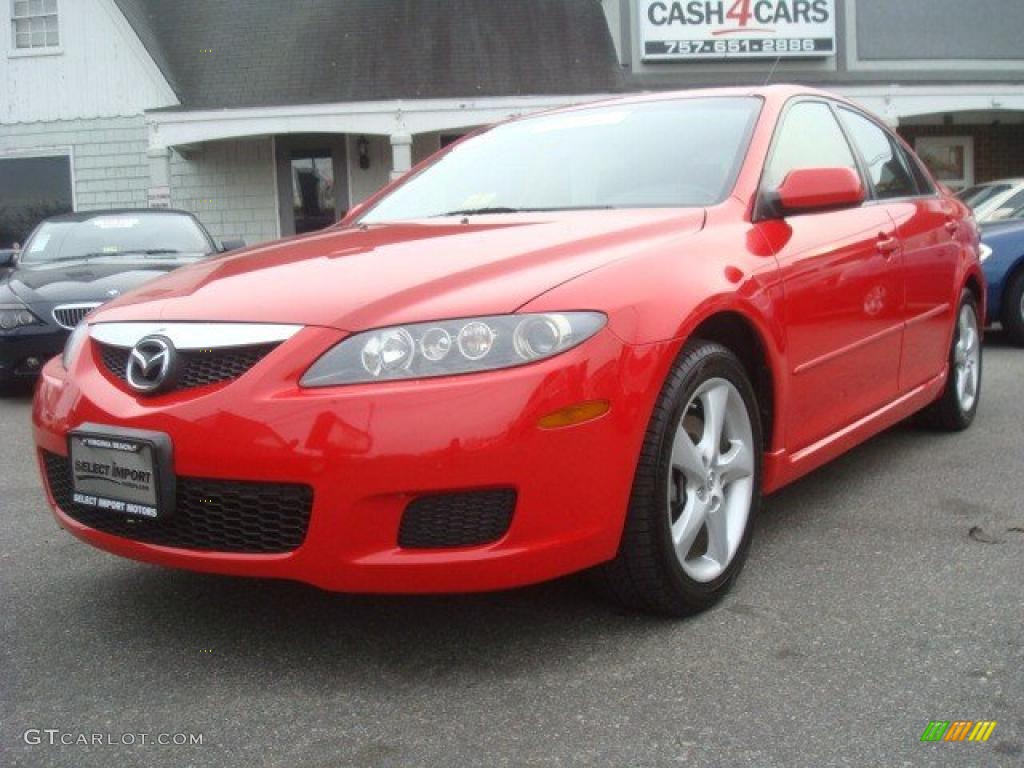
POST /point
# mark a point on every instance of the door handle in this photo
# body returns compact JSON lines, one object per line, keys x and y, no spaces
{"x":887,"y":245}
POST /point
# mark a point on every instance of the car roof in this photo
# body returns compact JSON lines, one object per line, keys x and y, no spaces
{"x":779,"y":92}
{"x":80,"y":216}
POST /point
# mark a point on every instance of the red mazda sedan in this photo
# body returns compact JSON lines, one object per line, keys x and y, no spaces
{"x":593,"y":337}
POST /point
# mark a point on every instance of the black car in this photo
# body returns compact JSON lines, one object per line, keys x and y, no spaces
{"x":72,"y":263}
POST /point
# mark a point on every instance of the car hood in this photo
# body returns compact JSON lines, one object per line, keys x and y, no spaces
{"x":84,"y":280}
{"x":359,"y":277}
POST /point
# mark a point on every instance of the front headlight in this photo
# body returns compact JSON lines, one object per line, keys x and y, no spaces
{"x":984,"y":252}
{"x":74,"y":345}
{"x":447,"y":347}
{"x":14,"y":316}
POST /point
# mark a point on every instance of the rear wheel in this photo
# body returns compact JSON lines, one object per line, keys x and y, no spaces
{"x":696,"y":489}
{"x":955,"y":409}
{"x":1013,"y":309}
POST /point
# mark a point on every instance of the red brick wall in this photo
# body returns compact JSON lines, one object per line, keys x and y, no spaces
{"x":998,"y":149}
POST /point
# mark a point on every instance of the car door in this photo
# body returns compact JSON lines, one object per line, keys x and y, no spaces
{"x":926,"y":227}
{"x":841,"y":278}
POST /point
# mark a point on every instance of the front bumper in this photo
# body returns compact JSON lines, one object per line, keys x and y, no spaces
{"x":368,"y":450}
{"x":23,"y":352}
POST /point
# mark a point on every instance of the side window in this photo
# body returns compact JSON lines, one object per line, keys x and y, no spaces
{"x":810,"y":137}
{"x":888,"y":172}
{"x":924,"y":182}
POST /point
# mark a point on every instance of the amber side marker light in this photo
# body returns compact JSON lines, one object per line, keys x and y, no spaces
{"x":575,"y":414}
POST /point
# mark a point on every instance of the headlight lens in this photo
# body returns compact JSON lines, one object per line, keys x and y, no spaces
{"x":74,"y":345}
{"x":14,"y":316}
{"x":984,"y":252}
{"x":467,"y":345}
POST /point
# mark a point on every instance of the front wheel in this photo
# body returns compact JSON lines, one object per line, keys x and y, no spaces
{"x":956,"y":408}
{"x":696,"y":491}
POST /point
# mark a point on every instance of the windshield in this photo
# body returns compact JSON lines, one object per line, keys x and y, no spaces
{"x":134,"y":233}
{"x":673,"y":153}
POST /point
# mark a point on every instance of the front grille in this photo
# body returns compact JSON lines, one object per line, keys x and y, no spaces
{"x":462,"y":519}
{"x":199,"y":366}
{"x":213,"y":515}
{"x":69,"y":315}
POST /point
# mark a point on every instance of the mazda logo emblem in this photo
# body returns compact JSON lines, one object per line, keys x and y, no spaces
{"x":151,"y":365}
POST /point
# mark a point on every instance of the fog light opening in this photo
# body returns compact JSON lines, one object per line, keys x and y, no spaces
{"x":575,"y":414}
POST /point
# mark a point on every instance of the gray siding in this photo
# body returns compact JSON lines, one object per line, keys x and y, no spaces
{"x":229,"y":185}
{"x":109,"y":165}
{"x":878,"y":42}
{"x":940,"y":29}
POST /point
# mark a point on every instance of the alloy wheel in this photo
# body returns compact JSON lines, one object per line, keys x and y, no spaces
{"x":711,"y":479}
{"x":967,"y":358}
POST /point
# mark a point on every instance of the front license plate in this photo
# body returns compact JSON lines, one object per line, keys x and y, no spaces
{"x":123,"y":471}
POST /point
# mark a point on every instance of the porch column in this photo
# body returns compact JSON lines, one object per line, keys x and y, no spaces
{"x":891,"y":116}
{"x":401,"y":154}
{"x":159,"y":193}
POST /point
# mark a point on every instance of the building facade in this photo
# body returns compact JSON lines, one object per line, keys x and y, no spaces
{"x":267,"y":119}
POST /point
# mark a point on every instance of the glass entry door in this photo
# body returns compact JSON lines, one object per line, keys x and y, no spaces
{"x":313,"y":201}
{"x":312,"y":181}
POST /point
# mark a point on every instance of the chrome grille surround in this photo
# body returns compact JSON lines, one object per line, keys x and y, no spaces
{"x":67,"y":316}
{"x":208,"y":353}
{"x":199,"y":335}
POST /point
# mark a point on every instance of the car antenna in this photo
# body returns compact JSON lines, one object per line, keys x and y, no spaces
{"x":771,"y":72}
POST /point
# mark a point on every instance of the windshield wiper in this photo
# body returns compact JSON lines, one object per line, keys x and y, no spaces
{"x":146,"y":252}
{"x":471,"y":211}
{"x":102,"y":254}
{"x":503,"y":209}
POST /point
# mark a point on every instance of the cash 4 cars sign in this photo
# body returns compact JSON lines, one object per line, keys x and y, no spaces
{"x":725,"y":29}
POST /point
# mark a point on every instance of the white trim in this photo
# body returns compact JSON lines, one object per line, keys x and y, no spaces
{"x":348,"y":170}
{"x":897,"y":101}
{"x":56,"y":151}
{"x":27,"y":53}
{"x":381,"y":118}
{"x":277,"y":186}
{"x":140,"y":52}
{"x":385,"y":118}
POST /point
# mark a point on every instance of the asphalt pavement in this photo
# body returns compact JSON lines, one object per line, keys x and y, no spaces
{"x":884,"y":591}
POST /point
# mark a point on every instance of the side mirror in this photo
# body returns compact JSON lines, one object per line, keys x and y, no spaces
{"x":8,"y":257}
{"x":231,"y":245}
{"x":818,"y":189}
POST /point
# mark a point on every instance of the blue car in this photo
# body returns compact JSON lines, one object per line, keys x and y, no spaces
{"x":1004,"y":270}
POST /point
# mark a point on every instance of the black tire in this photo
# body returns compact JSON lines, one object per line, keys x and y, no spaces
{"x":646,"y":575}
{"x":946,"y":413}
{"x":1013,"y":309}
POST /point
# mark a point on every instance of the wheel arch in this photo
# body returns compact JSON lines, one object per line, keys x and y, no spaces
{"x":974,"y":283}
{"x":737,"y":332}
{"x":1016,"y":268}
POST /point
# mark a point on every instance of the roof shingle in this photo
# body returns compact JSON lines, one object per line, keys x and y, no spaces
{"x":226,"y":54}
